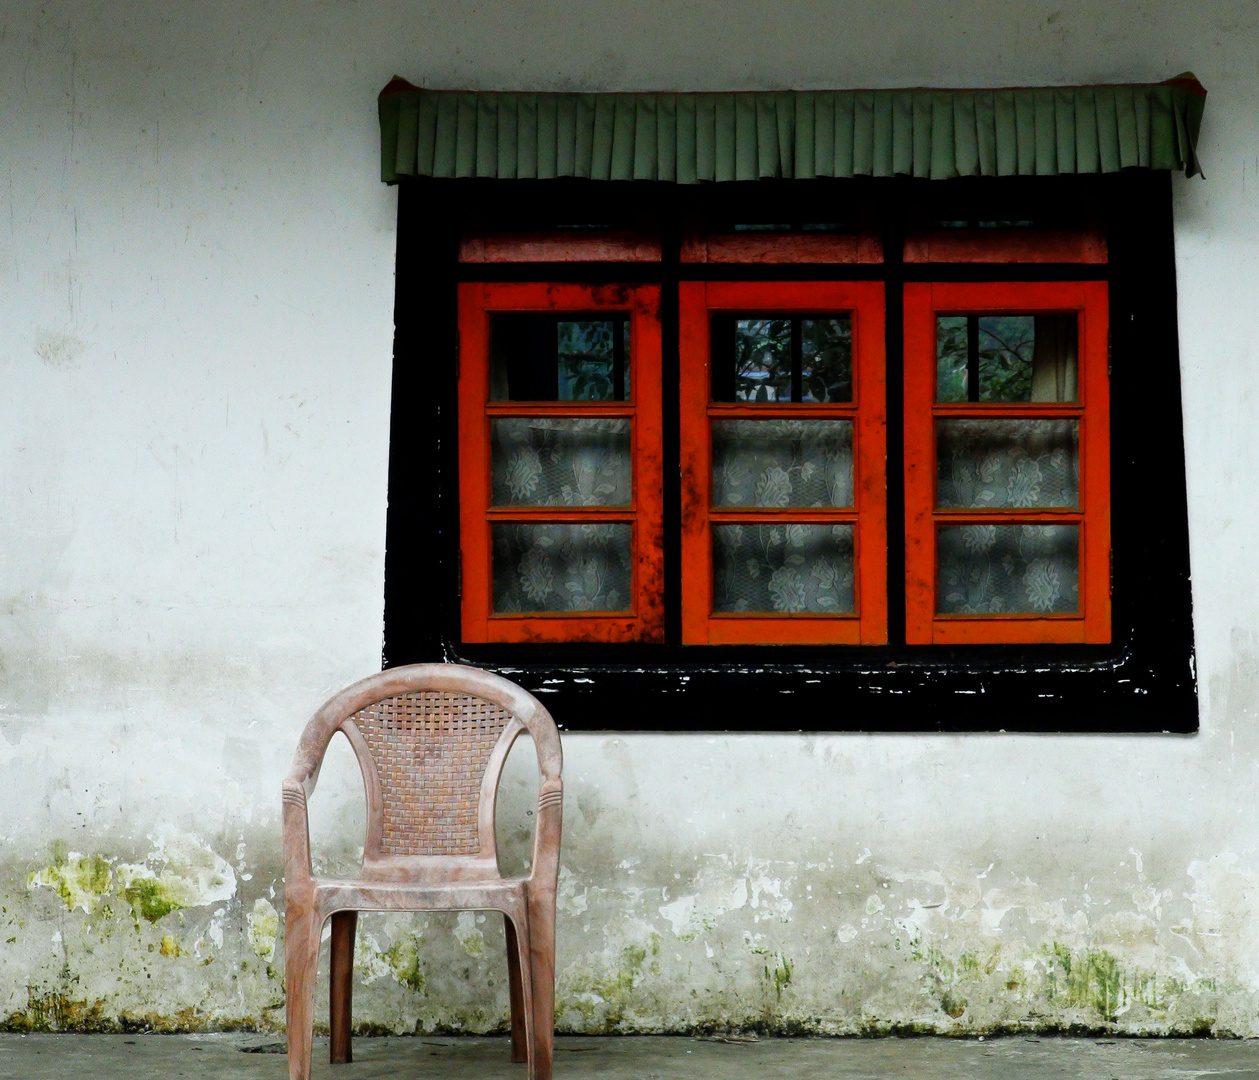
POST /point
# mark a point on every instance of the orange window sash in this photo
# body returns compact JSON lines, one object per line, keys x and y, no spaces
{"x":863,"y":301}
{"x":923,"y":302}
{"x":644,"y":620}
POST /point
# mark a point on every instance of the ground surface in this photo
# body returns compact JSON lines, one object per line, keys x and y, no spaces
{"x":245,"y":1057}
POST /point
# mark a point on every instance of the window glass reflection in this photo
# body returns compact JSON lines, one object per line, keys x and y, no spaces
{"x":826,"y":359}
{"x":559,"y":358}
{"x":774,"y":359}
{"x":1007,"y":357}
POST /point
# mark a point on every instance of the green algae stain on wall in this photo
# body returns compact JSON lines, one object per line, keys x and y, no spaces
{"x":170,"y":947}
{"x":80,"y":880}
{"x":188,"y":874}
{"x":180,"y":872}
{"x":88,"y":973}
{"x":56,"y":1008}
{"x":469,"y":935}
{"x":1058,"y":988}
{"x":1091,"y":979}
{"x":1094,"y":980}
{"x":605,"y":999}
{"x":950,"y":977}
{"x":264,"y":929}
{"x":780,"y":976}
{"x":148,"y":899}
{"x":400,"y":962}
{"x":403,"y":959}
{"x":943,"y":975}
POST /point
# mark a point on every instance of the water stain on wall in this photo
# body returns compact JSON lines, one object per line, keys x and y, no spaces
{"x":58,"y":348}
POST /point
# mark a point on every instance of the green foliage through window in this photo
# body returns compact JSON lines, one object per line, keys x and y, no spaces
{"x":587,"y":365}
{"x":1006,"y":348}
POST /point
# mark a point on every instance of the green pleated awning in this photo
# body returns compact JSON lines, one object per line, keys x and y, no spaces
{"x":688,"y":138}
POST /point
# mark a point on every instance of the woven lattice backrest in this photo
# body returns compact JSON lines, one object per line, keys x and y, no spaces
{"x":431,"y":749}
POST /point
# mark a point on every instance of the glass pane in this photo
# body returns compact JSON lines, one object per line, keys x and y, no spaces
{"x":1007,"y":463}
{"x":559,"y":462}
{"x":951,"y":358}
{"x":770,"y":360}
{"x":1005,"y":569}
{"x":1006,"y":357}
{"x":782,"y":463}
{"x":1006,"y":343}
{"x":779,"y":568}
{"x":559,"y":358}
{"x":762,"y":360}
{"x":561,"y":567}
{"x":826,"y":359}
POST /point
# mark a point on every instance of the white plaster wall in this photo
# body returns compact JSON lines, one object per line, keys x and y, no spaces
{"x":195,"y":330}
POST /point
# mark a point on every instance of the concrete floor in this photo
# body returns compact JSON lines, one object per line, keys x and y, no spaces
{"x":255,"y":1057}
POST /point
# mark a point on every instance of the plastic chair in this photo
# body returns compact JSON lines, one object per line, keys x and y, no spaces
{"x":431,"y":740}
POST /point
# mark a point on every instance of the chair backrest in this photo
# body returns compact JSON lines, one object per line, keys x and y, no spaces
{"x":431,"y":741}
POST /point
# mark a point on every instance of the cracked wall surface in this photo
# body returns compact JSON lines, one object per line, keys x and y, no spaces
{"x":196,"y":308}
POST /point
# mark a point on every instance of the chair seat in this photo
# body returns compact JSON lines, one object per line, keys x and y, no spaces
{"x":334,"y":894}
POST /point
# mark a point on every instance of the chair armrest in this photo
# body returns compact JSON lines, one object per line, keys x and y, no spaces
{"x":296,"y":833}
{"x":546,"y":835}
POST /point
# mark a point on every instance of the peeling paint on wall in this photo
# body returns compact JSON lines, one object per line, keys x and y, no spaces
{"x":130,"y":935}
{"x":179,"y":872}
{"x":833,"y":944}
{"x":264,"y":928}
{"x":79,"y":880}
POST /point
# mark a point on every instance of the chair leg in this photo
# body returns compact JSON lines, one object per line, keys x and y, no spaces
{"x":542,"y":979}
{"x":301,"y":958}
{"x":341,"y":987}
{"x":519,"y":922}
{"x":519,"y":1049}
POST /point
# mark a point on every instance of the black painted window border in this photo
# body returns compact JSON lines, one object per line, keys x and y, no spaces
{"x":1144,"y":682}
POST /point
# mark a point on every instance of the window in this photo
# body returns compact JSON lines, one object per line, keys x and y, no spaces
{"x":782,"y":417}
{"x":919,"y":469}
{"x":783,"y":428}
{"x":560,"y":451}
{"x":1007,"y":482}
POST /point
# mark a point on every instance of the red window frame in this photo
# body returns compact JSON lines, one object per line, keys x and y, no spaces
{"x":698,"y":301}
{"x":923,"y":302}
{"x":751,"y":248}
{"x":1008,"y":246}
{"x":644,"y":622}
{"x":548,"y":247}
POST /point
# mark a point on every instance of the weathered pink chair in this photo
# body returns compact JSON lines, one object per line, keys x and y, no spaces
{"x":431,"y":740}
